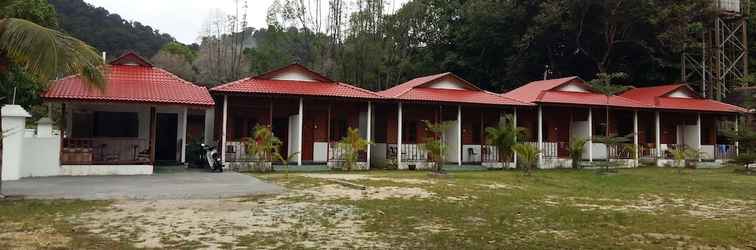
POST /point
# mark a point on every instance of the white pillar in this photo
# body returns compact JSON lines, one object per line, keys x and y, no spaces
{"x":369,"y":130}
{"x":222,"y":147}
{"x":459,"y":135}
{"x":658,"y":134}
{"x":300,"y":124}
{"x":14,"y":124}
{"x":590,"y":134}
{"x":737,"y":143}
{"x":698,"y":131}
{"x":209,"y":133}
{"x":183,"y":135}
{"x":540,"y":135}
{"x":399,"y":137}
{"x":514,"y":124}
{"x":635,"y":135}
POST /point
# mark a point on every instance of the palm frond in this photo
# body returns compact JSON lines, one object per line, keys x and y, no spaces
{"x":48,"y":53}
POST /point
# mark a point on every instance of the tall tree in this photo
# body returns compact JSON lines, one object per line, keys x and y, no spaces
{"x":43,"y":52}
{"x":108,"y":31}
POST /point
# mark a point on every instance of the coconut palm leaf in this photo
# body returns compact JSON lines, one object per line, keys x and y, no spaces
{"x":49,"y":53}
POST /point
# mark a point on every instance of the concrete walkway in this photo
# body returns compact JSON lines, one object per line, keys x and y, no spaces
{"x":173,"y":185}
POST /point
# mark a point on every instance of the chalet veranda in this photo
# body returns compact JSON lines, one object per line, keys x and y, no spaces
{"x":146,"y":115}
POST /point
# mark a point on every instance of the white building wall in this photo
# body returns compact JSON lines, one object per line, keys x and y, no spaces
{"x":579,"y":129}
{"x":209,"y":126}
{"x":41,"y":156}
{"x":572,"y":88}
{"x":378,"y":152}
{"x":294,"y":75}
{"x":680,"y":94}
{"x":690,"y":136}
{"x":447,"y":84}
{"x":450,"y":137}
{"x":320,"y":152}
{"x":293,"y":134}
{"x":363,"y":124}
{"x":599,"y":151}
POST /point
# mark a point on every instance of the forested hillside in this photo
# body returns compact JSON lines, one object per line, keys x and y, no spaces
{"x":496,"y":44}
{"x":108,"y":31}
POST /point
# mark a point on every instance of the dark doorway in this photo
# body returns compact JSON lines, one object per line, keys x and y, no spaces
{"x":165,"y":138}
{"x":281,"y":130}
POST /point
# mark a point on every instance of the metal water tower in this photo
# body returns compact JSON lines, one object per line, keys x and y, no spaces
{"x":719,"y":59}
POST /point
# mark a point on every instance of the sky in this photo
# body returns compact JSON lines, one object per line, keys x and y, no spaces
{"x":182,"y":19}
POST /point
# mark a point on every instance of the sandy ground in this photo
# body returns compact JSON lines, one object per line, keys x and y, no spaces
{"x":350,"y":177}
{"x":23,"y":237}
{"x":219,"y":223}
{"x":651,"y":203}
{"x":302,"y":215}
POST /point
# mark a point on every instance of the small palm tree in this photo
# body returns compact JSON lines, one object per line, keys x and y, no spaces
{"x":575,"y":151}
{"x":528,"y":155}
{"x":504,"y":137}
{"x":352,"y":145}
{"x":262,"y":144}
{"x":683,"y":155}
{"x":435,"y":145}
{"x":284,"y":160}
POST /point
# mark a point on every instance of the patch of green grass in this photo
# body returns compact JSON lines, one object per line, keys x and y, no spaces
{"x":587,"y":210}
{"x":46,"y":220}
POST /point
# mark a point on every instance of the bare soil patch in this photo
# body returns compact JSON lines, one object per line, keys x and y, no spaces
{"x":501,"y":186}
{"x":20,"y":237}
{"x":225,"y":222}
{"x":651,"y":203}
{"x":334,"y":192}
{"x":352,"y":177}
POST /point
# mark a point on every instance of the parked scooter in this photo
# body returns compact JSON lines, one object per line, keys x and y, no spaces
{"x":212,"y":158}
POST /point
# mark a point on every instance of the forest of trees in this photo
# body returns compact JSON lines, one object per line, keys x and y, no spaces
{"x":107,"y":31}
{"x":496,"y":44}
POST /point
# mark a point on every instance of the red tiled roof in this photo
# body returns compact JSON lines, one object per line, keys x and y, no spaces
{"x":320,"y":85}
{"x":580,"y":98}
{"x":530,"y":92}
{"x":457,"y":96}
{"x":132,"y":84}
{"x":696,"y":105}
{"x":413,"y":90}
{"x":648,"y":94}
{"x":658,"y":97}
{"x":398,"y":90}
{"x":290,"y":87}
{"x":544,"y":92}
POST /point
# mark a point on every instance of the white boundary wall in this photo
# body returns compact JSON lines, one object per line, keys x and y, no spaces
{"x":36,"y":152}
